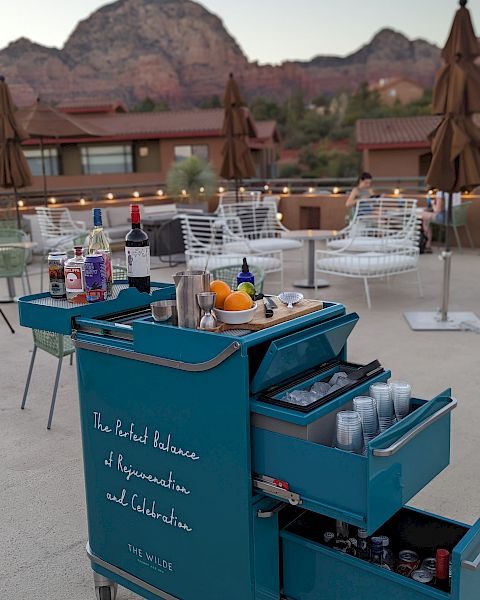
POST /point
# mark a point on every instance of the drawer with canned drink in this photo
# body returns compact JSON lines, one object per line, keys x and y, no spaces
{"x":321,"y":563}
{"x":299,"y":462}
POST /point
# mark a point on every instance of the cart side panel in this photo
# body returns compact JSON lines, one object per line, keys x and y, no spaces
{"x":167,"y":469}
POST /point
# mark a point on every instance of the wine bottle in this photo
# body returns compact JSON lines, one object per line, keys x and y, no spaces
{"x":137,"y":253}
{"x":98,"y":244}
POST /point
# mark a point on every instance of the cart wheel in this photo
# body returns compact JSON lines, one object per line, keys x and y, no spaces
{"x":105,"y":593}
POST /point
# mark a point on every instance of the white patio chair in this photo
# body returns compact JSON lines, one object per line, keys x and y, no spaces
{"x":237,"y":197}
{"x":384,"y":262}
{"x":379,"y":222}
{"x":58,"y":231}
{"x":204,"y":238}
{"x":256,"y":228}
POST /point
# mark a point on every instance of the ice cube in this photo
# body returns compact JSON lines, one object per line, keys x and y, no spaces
{"x":322,"y":388}
{"x":301,"y":397}
{"x":344,"y":381}
{"x":336,"y":376}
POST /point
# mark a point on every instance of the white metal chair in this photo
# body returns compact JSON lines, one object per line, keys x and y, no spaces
{"x":58,"y":231}
{"x":381,"y":263}
{"x":377,"y":223}
{"x":255,"y":228}
{"x":205,"y":236}
{"x":238,"y":197}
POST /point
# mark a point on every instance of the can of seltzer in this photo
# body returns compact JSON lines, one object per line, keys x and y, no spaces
{"x":56,"y":274}
{"x":422,"y":576}
{"x":95,"y":278}
{"x":408,"y":561}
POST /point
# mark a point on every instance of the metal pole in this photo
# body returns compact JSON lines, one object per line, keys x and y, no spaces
{"x":44,"y":175}
{"x":17,"y":209}
{"x":447,"y":261}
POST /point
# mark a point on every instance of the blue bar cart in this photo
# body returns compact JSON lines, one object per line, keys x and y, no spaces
{"x":201,"y":484}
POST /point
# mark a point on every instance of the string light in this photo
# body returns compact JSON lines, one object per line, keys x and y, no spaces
{"x":136,"y":194}
{"x":83,"y":201}
{"x":310,"y":190}
{"x":202,"y":190}
{"x":52,"y":200}
{"x":159,"y":192}
{"x":221,"y":190}
{"x":110,"y":196}
{"x":286,"y":190}
{"x":336,"y":190}
{"x":266,"y":187}
{"x":279,"y":216}
{"x":184,"y":192}
{"x":396,"y":191}
{"x":242,"y":190}
{"x":20,"y":203}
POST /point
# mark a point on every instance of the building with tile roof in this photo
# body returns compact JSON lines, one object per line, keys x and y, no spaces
{"x":396,"y":147}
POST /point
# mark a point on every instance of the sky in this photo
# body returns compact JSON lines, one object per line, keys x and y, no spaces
{"x":269,"y":31}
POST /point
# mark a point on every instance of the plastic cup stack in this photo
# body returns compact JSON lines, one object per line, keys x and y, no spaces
{"x":401,"y":394}
{"x":382,"y":392}
{"x":349,"y":433}
{"x":366,"y":407}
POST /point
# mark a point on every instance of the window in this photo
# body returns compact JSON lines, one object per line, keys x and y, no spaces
{"x":106,"y":159}
{"x":50,"y":158}
{"x":183,"y":152}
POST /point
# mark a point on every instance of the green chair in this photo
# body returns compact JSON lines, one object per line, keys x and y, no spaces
{"x":57,"y":345}
{"x":459,"y":219}
{"x":13,"y":263}
{"x":229,"y":275}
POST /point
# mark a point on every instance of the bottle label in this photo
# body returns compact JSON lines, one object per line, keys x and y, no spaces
{"x":138,"y":261}
{"x":74,"y":279}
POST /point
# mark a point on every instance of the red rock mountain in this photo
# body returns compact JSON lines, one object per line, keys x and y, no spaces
{"x":179,"y":51}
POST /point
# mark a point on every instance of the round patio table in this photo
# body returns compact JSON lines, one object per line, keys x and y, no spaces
{"x":310,"y":236}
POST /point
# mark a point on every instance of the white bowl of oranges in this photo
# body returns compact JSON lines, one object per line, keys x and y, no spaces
{"x":233,"y":308}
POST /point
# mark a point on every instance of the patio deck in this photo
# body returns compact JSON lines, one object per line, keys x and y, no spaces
{"x":42,"y":554}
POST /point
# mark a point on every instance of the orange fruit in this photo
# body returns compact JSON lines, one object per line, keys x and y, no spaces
{"x":222,"y":290}
{"x":238,"y":301}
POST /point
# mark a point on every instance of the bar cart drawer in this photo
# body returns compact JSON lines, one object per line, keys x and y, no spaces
{"x":40,"y":311}
{"x":312,"y":571}
{"x":362,"y":490}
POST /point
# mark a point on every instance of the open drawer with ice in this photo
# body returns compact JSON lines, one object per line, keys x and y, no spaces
{"x":294,"y":459}
{"x":315,"y":569}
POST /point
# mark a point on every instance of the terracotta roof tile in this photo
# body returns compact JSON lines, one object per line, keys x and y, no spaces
{"x":395,"y":131}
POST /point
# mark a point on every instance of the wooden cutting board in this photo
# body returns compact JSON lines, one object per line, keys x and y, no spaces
{"x":280,"y":314}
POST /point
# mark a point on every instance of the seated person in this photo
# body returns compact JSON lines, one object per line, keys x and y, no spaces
{"x":437,"y":214}
{"x":361,"y":191}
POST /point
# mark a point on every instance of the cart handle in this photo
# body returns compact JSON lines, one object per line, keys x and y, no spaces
{"x":158,"y":360}
{"x":471,"y":565}
{"x":394,"y":448}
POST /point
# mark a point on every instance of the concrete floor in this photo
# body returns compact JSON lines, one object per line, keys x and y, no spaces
{"x":43,"y":523}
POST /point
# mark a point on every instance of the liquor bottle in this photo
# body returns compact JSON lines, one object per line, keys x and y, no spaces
{"x":377,"y":551}
{"x":137,"y":252}
{"x":442,"y":579}
{"x":388,"y":556}
{"x":98,"y":244}
{"x":75,"y":277}
{"x":363,"y":546}
{"x":244,"y":276}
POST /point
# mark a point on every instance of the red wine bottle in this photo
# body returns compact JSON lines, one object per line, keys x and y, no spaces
{"x":137,"y":254}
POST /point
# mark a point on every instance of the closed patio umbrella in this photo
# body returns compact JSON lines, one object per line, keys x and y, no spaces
{"x":14,"y":169}
{"x":43,"y":121}
{"x":237,"y":159}
{"x":455,"y":145}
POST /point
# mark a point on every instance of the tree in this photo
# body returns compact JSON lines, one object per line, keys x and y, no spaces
{"x":191,"y":175}
{"x":149,"y":105}
{"x":210,"y":102}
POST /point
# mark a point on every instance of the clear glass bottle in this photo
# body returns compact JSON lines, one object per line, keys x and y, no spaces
{"x":377,"y":551}
{"x":363,"y":545}
{"x":98,"y":243}
{"x":388,"y":556}
{"x":74,"y":269}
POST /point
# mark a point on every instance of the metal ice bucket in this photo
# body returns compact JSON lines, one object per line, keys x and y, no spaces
{"x":189,"y":284}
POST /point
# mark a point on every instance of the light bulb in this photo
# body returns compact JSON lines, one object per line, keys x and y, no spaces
{"x":285,"y":190}
{"x":202,"y":190}
{"x":20,"y":203}
{"x":110,"y":196}
{"x":83,"y":201}
{"x":136,"y":194}
{"x":52,"y":200}
{"x":336,"y":190}
{"x":159,"y":192}
{"x":221,"y":190}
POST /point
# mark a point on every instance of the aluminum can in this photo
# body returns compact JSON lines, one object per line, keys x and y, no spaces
{"x":430,"y":565}
{"x":408,"y":561}
{"x":56,"y":274}
{"x":329,"y":538}
{"x":95,"y":278}
{"x":422,"y":576}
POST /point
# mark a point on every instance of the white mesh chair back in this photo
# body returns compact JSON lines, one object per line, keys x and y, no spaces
{"x":239,"y":197}
{"x":257,"y":219}
{"x":56,"y":225}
